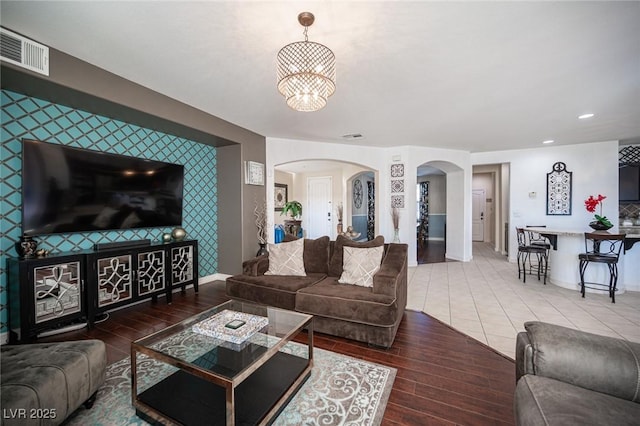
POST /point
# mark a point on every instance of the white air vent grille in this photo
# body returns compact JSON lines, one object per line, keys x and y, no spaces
{"x":352,"y":136}
{"x":23,"y":52}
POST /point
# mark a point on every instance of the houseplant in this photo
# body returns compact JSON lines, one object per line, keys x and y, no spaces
{"x":293,"y":209}
{"x":601,"y":223}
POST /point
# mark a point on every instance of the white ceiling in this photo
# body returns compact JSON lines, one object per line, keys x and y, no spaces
{"x":476,"y":76}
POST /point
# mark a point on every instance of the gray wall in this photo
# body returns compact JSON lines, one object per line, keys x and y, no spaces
{"x":78,"y":84}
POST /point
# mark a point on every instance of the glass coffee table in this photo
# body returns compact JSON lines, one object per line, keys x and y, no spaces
{"x":232,"y":364}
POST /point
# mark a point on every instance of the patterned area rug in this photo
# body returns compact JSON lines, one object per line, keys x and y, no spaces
{"x":341,"y":391}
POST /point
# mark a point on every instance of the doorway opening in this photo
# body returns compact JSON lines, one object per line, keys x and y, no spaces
{"x":363,"y":205}
{"x":490,"y":205}
{"x":326,"y":188}
{"x":431,"y":215}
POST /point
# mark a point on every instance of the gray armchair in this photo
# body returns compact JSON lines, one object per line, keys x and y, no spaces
{"x":568,"y":377}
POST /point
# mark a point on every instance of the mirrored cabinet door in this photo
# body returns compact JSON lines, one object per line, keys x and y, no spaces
{"x":151,"y":272}
{"x":57,"y":291}
{"x":114,"y":279}
{"x":182,"y":264}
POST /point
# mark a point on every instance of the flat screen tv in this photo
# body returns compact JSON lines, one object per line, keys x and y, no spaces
{"x":68,"y":190}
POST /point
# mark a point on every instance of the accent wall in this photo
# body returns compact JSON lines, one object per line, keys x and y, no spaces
{"x":25,"y":117}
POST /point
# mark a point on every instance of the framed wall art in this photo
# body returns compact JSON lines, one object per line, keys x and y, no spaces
{"x":254,"y":173}
{"x":357,"y":193}
{"x":397,"y":186}
{"x":559,"y":190}
{"x":279,"y":196}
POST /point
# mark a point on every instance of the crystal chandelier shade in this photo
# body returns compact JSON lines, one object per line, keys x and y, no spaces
{"x":306,"y":72}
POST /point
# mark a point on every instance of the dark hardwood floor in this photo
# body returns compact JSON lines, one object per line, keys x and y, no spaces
{"x":443,"y":378}
{"x":431,"y":251}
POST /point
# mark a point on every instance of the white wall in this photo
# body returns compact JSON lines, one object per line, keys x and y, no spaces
{"x":595,"y":171}
{"x":594,"y":167}
{"x":282,"y":151}
{"x":456,"y":163}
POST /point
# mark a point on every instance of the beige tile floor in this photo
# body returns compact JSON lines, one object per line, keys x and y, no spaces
{"x":485,"y":299}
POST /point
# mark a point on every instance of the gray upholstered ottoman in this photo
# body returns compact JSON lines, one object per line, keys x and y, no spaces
{"x":44,"y":383}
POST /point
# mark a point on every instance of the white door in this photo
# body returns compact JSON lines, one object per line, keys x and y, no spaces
{"x":318,"y":208}
{"x":478,"y":215}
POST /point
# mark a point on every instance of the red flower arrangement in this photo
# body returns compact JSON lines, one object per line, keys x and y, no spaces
{"x":591,"y":203}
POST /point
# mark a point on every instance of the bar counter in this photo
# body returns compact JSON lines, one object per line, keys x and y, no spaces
{"x":568,"y":243}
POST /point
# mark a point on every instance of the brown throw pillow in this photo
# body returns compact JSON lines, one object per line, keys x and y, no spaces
{"x":316,"y":253}
{"x":335,"y":264}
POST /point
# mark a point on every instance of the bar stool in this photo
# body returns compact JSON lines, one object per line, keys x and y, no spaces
{"x":537,"y":239}
{"x":601,"y":248}
{"x":525,"y":251}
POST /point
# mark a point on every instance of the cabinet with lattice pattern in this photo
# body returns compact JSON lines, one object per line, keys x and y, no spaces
{"x":45,"y":293}
{"x":183,"y":261}
{"x":50,"y":292}
{"x":123,"y":276}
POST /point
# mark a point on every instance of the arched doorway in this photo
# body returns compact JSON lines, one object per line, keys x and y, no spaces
{"x":453,"y":214}
{"x":363,"y":205}
{"x":431,"y":214}
{"x":308,"y":181}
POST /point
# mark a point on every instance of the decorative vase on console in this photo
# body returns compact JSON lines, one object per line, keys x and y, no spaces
{"x":262,"y":250}
{"x":178,"y":233}
{"x":260,"y":213}
{"x":26,"y":247}
{"x":395,"y":219}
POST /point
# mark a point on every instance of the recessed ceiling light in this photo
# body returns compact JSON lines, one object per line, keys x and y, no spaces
{"x":585,"y":116}
{"x":548,"y":141}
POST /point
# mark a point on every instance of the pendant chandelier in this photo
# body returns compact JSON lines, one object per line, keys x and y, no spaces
{"x":306,"y":71}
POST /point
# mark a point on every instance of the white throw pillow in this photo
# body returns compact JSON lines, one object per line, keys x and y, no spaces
{"x":286,"y":258}
{"x":360,"y":265}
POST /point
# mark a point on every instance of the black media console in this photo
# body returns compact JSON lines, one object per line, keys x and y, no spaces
{"x":49,"y":292}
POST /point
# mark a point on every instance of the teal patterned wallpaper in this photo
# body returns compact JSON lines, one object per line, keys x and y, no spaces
{"x":31,"y":118}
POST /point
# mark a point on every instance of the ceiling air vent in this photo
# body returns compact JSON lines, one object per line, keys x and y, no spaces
{"x":352,"y":136}
{"x":18,"y":50}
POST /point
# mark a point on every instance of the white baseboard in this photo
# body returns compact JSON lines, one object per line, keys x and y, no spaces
{"x":213,"y":277}
{"x":4,"y":338}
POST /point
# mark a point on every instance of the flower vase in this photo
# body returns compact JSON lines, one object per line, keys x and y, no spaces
{"x":339,"y":228}
{"x":396,"y":235}
{"x":599,"y":226}
{"x":178,"y":233}
{"x":262,"y":250}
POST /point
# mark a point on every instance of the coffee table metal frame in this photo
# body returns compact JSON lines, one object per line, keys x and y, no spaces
{"x":296,"y":323}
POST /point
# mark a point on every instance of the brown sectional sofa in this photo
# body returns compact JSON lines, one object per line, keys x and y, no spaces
{"x":366,"y":314}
